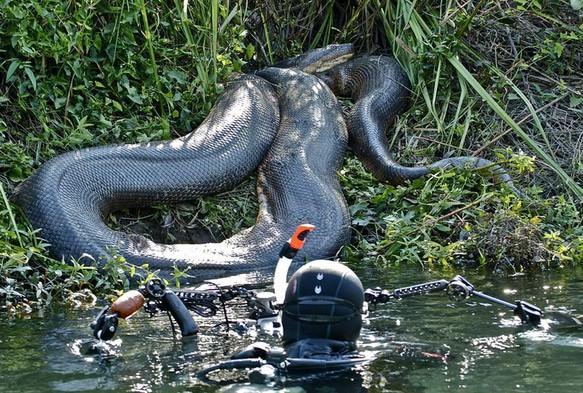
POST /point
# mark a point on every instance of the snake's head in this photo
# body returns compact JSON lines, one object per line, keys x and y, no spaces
{"x":320,"y":59}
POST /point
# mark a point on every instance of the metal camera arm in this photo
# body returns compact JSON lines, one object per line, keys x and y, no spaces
{"x":458,"y":288}
{"x":155,"y":297}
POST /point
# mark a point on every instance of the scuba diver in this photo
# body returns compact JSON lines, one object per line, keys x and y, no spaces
{"x":318,"y":313}
{"x":321,"y":320}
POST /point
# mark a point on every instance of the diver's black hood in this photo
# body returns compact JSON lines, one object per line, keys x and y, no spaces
{"x":323,"y":300}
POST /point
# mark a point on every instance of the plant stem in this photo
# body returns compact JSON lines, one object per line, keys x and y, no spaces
{"x":215,"y":35}
{"x":148,"y":36}
{"x":11,"y":215}
{"x":569,"y":182}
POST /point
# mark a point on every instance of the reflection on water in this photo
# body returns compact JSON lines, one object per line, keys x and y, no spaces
{"x":424,"y":344}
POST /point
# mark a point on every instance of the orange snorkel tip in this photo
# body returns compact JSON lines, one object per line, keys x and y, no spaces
{"x":297,"y":240}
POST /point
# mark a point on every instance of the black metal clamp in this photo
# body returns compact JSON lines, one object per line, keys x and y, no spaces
{"x":105,"y":325}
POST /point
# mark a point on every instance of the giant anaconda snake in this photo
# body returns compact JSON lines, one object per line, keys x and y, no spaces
{"x":283,"y":122}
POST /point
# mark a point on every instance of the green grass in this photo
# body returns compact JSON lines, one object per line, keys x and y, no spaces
{"x":500,"y":80}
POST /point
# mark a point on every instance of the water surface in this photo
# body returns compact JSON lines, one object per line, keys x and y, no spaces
{"x":485,"y":347}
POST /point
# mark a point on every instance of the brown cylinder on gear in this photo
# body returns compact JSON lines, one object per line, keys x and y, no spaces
{"x":128,"y":304}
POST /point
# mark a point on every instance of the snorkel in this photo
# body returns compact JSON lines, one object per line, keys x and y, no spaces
{"x":286,"y":255}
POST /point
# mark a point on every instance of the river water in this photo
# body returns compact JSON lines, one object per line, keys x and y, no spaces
{"x":422,"y":344}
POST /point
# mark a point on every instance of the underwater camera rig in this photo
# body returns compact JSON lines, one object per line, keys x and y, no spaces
{"x":155,"y":297}
{"x":264,"y":307}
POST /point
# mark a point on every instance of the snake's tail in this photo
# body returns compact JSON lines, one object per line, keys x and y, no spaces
{"x":371,"y":147}
{"x":496,"y":171}
{"x":381,"y":90}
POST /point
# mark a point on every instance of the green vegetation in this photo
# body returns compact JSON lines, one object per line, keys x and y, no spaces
{"x":458,"y":219}
{"x":500,"y":80}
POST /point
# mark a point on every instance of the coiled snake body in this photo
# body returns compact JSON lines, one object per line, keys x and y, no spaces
{"x":69,"y":196}
{"x":285,"y":121}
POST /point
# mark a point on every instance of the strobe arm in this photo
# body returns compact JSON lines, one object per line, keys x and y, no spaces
{"x":459,"y":288}
{"x":378,"y":295}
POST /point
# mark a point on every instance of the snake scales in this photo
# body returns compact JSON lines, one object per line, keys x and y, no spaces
{"x":283,"y":122}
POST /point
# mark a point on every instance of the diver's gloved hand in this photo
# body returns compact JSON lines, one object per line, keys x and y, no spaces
{"x":253,"y":351}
